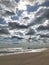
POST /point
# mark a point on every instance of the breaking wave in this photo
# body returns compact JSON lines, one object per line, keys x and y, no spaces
{"x":11,"y":51}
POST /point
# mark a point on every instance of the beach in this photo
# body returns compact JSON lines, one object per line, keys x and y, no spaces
{"x":33,"y":58}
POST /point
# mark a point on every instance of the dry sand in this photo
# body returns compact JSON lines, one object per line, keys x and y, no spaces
{"x":40,"y":58}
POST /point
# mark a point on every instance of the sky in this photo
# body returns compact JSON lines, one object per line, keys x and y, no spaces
{"x":24,"y":20}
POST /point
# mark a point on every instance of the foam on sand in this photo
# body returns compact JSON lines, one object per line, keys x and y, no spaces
{"x":11,"y":51}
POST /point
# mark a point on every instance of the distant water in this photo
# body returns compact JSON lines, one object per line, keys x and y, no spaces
{"x":23,"y":24}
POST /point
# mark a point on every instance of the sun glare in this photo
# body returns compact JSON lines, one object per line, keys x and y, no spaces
{"x":22,"y":5}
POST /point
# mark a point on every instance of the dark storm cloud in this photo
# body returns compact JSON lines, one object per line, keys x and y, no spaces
{"x":26,"y":18}
{"x":7,"y":2}
{"x":43,"y":13}
{"x":16,"y":37}
{"x":44,"y":35}
{"x":41,"y":27}
{"x":40,"y":16}
{"x":7,"y":7}
{"x":9,"y":13}
{"x":36,"y":21}
{"x":4,"y":26}
{"x":14,"y":25}
{"x":30,"y":32}
{"x":4,"y":31}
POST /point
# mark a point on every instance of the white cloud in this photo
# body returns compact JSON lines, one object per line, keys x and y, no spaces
{"x":7,"y":5}
{"x":46,"y":23}
{"x":41,"y":10}
{"x":33,"y":2}
{"x":22,"y":5}
{"x":35,"y":19}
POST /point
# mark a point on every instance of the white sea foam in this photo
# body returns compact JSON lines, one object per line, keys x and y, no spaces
{"x":11,"y":51}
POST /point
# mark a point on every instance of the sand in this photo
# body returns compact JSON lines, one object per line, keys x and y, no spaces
{"x":40,"y":58}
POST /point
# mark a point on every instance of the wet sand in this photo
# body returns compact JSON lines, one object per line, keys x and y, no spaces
{"x":40,"y":58}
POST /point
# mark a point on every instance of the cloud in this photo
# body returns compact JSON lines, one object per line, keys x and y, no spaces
{"x":40,"y":2}
{"x":42,"y":12}
{"x":4,"y":31}
{"x":30,"y":32}
{"x":19,"y":38}
{"x":7,"y":6}
{"x":44,"y":36}
{"x":14,"y":25}
{"x":22,"y":5}
{"x":41,"y":27}
{"x":24,"y":19}
{"x":3,"y":25}
{"x":40,"y":16}
{"x":18,"y":14}
{"x":33,"y":2}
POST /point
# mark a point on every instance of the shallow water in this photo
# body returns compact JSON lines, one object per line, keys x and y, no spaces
{"x":11,"y":51}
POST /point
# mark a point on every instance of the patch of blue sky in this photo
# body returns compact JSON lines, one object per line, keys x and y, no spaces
{"x":45,"y":4}
{"x":36,"y":6}
{"x":18,"y":14}
{"x":2,"y":21}
{"x":32,"y":8}
{"x":17,"y":1}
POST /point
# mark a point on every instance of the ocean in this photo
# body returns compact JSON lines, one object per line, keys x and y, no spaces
{"x":11,"y":51}
{"x":24,"y":24}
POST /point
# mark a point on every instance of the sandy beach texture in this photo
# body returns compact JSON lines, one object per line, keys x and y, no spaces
{"x":40,"y":58}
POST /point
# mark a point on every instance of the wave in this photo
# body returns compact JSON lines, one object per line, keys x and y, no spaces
{"x":11,"y":51}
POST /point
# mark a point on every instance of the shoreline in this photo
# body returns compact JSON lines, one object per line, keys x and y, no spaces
{"x":13,"y":51}
{"x":38,"y":58}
